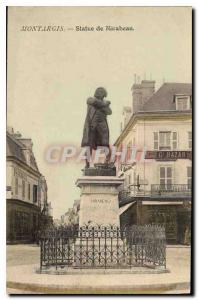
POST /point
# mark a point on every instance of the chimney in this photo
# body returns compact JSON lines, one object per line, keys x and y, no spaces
{"x":141,"y":93}
{"x":17,"y":135}
{"x":126,"y":114}
{"x":136,"y":97}
{"x":27,"y":149}
{"x":148,"y":89}
{"x":10,"y":130}
{"x":27,"y":143}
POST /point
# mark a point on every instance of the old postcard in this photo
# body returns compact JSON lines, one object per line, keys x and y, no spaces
{"x":99,"y":150}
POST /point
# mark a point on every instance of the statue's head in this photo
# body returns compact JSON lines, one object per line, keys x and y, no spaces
{"x":100,"y":93}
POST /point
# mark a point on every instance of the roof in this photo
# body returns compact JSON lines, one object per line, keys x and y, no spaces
{"x":14,"y":148}
{"x":163,"y":99}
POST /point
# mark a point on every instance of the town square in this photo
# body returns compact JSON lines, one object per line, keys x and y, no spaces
{"x":99,"y":152}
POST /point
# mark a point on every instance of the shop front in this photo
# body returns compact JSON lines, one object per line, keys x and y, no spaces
{"x":23,"y":221}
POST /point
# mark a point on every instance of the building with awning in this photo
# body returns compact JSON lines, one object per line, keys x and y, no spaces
{"x":158,"y":186}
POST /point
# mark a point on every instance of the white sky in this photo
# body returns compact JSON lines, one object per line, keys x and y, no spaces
{"x":51,"y":74}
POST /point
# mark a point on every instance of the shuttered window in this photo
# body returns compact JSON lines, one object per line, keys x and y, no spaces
{"x":190,"y":139}
{"x":35,"y":194}
{"x":164,"y":140}
{"x":189,"y":177}
{"x":156,"y":144}
{"x":23,"y":188}
{"x":174,"y":140}
{"x":29,"y":191}
{"x":16,"y":186}
{"x":166,"y":177}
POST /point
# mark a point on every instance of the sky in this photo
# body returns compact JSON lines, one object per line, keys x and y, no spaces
{"x":50,"y":75}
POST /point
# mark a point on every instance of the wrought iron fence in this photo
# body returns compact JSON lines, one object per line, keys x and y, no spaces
{"x":161,"y":189}
{"x":103,"y":247}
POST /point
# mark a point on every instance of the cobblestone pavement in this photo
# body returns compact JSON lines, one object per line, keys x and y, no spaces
{"x":22,"y":254}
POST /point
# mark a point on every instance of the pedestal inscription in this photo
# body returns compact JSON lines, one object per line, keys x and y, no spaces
{"x":99,"y":200}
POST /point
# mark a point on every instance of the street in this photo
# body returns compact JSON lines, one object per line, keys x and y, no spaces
{"x":22,"y":254}
{"x":22,"y":261}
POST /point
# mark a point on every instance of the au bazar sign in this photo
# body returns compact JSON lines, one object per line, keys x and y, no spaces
{"x":168,"y":155}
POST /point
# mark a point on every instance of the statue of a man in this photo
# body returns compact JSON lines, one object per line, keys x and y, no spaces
{"x":96,"y":130}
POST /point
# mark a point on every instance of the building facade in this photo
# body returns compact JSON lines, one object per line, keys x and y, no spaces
{"x":46,"y":218}
{"x":26,"y":190}
{"x":71,"y":217}
{"x":157,"y":189}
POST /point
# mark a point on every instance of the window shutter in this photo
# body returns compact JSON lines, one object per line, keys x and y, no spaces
{"x":190,"y":139}
{"x":175,"y":140}
{"x":156,"y":142}
{"x":16,"y":186}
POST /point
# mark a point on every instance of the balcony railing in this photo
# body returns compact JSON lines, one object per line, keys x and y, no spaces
{"x":171,"y":189}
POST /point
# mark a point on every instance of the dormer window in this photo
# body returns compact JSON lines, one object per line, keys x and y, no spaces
{"x":183,"y":102}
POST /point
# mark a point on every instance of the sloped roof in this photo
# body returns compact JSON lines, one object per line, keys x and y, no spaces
{"x":14,"y":148}
{"x":163,"y":99}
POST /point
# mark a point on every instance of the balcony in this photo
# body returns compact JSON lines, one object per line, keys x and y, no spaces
{"x":156,"y":191}
{"x":170,"y":190}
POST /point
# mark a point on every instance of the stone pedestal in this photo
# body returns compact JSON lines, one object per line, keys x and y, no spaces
{"x":99,"y":200}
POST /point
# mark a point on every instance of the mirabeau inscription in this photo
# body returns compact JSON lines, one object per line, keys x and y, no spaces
{"x":100,"y":201}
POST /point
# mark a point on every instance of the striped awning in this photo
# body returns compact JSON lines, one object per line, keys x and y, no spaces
{"x":125,"y":207}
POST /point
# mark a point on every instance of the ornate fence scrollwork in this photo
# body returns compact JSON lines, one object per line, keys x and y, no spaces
{"x":103,"y":247}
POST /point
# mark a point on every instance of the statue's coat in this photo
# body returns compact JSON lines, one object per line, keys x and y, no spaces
{"x":96,"y":131}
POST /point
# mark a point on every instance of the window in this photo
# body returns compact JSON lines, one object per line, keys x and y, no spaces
{"x":190,"y":139}
{"x":16,"y":186}
{"x":155,"y":140}
{"x":34,"y":193}
{"x":29,"y":191}
{"x":23,"y":188}
{"x":182,"y":102}
{"x":165,"y":177}
{"x":174,"y":140}
{"x":165,"y":140}
{"x":21,"y":225}
{"x":189,"y":177}
{"x":129,"y":150}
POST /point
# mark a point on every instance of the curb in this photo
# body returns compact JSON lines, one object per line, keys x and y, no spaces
{"x":136,"y":289}
{"x":71,"y":271}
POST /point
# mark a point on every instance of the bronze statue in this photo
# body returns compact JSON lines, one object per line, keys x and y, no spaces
{"x":96,"y":130}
